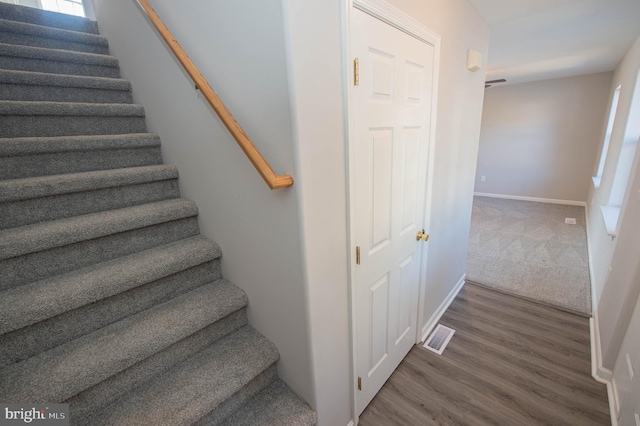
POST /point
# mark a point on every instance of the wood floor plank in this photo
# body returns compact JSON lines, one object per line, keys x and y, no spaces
{"x":511,"y":362}
{"x":524,"y":346}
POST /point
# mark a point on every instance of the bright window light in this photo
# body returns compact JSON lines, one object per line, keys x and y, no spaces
{"x":607,"y":136}
{"x":627,"y":150}
{"x":70,"y":7}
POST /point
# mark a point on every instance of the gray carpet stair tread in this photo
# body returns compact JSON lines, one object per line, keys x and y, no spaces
{"x":66,"y":370}
{"x":63,"y":80}
{"x":58,"y":55}
{"x":46,"y":186}
{"x":193,"y":388}
{"x":77,"y":109}
{"x":46,"y":235}
{"x":275,"y":405}
{"x":37,"y":301}
{"x":50,"y":19}
{"x":46,"y":145}
{"x":30,"y":29}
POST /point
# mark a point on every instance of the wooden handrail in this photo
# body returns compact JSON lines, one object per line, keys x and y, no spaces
{"x":273,"y":181}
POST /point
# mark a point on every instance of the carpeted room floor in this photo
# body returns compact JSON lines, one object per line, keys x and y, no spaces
{"x":526,"y":248}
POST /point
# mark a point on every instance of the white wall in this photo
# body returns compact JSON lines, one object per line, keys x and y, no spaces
{"x":541,"y":139}
{"x":626,"y":381}
{"x":316,"y":69}
{"x":616,"y":292}
{"x":460,"y":96}
{"x":239,"y":47}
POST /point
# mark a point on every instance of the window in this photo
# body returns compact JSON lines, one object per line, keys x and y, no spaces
{"x":607,"y":137}
{"x":70,"y":7}
{"x":624,"y":164}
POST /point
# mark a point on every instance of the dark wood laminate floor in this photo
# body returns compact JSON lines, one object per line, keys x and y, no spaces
{"x":510,"y":362}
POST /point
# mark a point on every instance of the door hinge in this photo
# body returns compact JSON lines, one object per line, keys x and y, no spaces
{"x":359,"y":383}
{"x":357,"y":255}
{"x":356,"y":72}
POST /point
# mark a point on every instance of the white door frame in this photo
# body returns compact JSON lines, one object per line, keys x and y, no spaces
{"x":400,"y":20}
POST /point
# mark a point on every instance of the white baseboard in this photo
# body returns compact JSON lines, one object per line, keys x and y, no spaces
{"x":433,"y":321}
{"x":537,"y":200}
{"x":612,"y":410}
{"x":598,"y":371}
{"x":594,"y":302}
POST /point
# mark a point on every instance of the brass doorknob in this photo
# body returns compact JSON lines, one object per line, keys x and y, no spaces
{"x":422,"y":236}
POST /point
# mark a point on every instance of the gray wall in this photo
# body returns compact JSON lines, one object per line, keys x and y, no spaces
{"x":541,"y":139}
{"x":239,"y":47}
{"x":616,"y":261}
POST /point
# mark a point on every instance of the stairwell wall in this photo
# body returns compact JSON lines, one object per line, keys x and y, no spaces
{"x":239,"y":48}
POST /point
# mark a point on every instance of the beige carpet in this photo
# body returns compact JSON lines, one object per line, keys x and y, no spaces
{"x":525,"y":248}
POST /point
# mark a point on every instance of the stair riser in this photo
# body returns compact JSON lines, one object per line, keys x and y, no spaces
{"x":237,"y":400}
{"x":48,"y":263}
{"x":21,"y":344}
{"x":77,"y":161}
{"x":35,"y":41}
{"x":214,"y":374}
{"x":26,"y":212}
{"x":40,"y":65}
{"x":89,"y":402}
{"x":24,"y":92}
{"x":36,"y":126}
{"x":50,"y":19}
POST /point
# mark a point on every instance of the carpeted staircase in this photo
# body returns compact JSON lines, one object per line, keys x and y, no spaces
{"x":110,"y":299}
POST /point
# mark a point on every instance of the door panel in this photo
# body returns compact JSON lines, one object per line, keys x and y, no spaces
{"x":380,"y":170}
{"x":391,"y":111}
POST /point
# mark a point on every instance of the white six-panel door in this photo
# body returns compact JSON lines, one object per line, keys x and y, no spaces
{"x":391,"y":128}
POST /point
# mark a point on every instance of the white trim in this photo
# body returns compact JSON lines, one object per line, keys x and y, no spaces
{"x":398,"y":19}
{"x":351,"y":244}
{"x":615,"y":401}
{"x":598,"y":371}
{"x":612,"y":399}
{"x":536,"y":199}
{"x":594,"y":302}
{"x":433,"y":321}
{"x":596,"y":181}
{"x":610,"y":215}
{"x":431,"y":166}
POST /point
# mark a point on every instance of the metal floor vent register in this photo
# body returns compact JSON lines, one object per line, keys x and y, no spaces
{"x":439,"y":339}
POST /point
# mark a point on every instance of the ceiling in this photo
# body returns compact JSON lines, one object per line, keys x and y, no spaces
{"x":543,"y":39}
